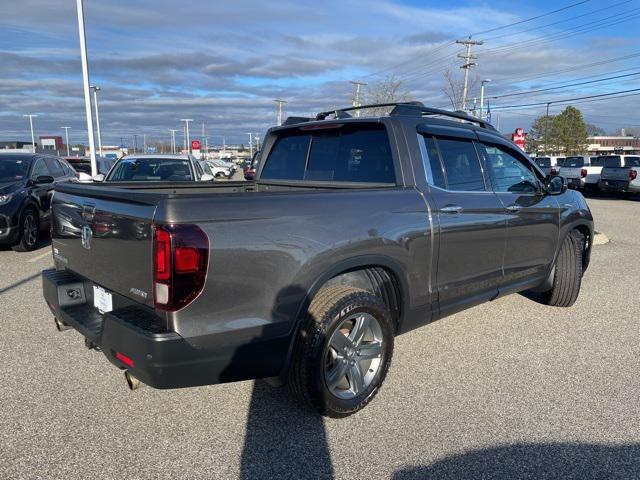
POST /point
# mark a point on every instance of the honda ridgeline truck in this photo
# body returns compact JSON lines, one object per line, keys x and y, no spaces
{"x":356,"y":229}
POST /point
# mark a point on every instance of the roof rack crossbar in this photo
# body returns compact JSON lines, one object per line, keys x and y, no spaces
{"x":337,"y":112}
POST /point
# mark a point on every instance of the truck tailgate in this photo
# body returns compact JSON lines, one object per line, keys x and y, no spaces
{"x":108,"y":241}
{"x":615,"y":173}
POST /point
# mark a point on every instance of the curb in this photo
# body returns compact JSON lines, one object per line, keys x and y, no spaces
{"x":600,"y":239}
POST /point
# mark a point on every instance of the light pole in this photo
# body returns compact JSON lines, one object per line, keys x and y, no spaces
{"x":33,"y":138}
{"x":482,"y":82}
{"x":95,"y":104}
{"x":85,"y":81}
{"x":66,"y":135}
{"x":173,"y":140}
{"x":356,"y":95}
{"x":186,"y":123}
{"x":250,"y":144}
{"x":279,"y":111}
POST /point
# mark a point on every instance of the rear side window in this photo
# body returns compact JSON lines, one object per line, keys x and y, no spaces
{"x":461,"y":165}
{"x":55,"y":167}
{"x":359,"y":153}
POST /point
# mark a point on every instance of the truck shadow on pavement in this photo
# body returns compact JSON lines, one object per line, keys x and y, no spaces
{"x":283,"y":439}
{"x":582,"y":461}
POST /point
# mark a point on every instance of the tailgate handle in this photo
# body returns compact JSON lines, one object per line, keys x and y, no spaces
{"x":88,"y":211}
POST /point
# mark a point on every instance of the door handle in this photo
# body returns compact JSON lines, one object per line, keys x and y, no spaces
{"x":514,"y":208}
{"x":451,"y":209}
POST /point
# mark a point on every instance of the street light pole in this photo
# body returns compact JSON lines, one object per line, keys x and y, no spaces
{"x":95,"y":104}
{"x":85,"y":81}
{"x":250,"y":144}
{"x":173,"y":140}
{"x":279,"y":112}
{"x":482,"y":82}
{"x":66,"y":134}
{"x":186,"y":122}
{"x":33,"y":138}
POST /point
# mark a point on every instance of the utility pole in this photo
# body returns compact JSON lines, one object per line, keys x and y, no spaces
{"x":144,"y":143}
{"x":203,"y":140}
{"x":95,"y":104}
{"x":356,"y":94}
{"x":85,"y":82}
{"x":546,"y":129}
{"x":173,"y":140}
{"x":468,"y":63}
{"x":482,"y":82}
{"x":250,"y":144}
{"x":33,"y":138}
{"x":186,"y":129}
{"x":135,"y":143}
{"x":279,"y":110}
{"x":66,"y":135}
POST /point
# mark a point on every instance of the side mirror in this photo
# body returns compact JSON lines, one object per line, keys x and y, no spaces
{"x":555,"y":184}
{"x":206,"y":178}
{"x":99,"y":177}
{"x":43,"y":179}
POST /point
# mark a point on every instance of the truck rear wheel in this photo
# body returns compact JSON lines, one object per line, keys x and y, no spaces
{"x":568,"y":273}
{"x":343,"y":351}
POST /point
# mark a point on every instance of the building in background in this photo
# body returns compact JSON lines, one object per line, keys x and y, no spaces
{"x":613,"y":145}
{"x":16,"y":145}
{"x":52,"y":143}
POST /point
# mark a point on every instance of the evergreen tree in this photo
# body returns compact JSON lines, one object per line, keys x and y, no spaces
{"x":538,"y":138}
{"x":570,"y":131}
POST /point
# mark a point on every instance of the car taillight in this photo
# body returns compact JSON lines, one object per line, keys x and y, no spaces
{"x":180,"y":261}
{"x":583,"y":172}
{"x":633,"y":175}
{"x":554,"y":171}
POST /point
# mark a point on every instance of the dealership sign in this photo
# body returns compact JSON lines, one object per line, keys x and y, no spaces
{"x":195,"y":144}
{"x":518,"y":137}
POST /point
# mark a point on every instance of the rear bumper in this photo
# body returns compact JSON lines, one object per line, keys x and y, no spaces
{"x":160,"y":358}
{"x":619,"y":186}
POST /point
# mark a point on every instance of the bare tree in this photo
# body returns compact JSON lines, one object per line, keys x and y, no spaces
{"x":390,"y":90}
{"x":453,"y":89}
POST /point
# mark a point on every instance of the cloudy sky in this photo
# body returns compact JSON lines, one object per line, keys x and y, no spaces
{"x":223,"y":63}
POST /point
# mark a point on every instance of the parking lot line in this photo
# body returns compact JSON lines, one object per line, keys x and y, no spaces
{"x":40,"y":257}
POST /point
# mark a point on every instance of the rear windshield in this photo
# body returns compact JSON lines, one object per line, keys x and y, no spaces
{"x":12,"y":169}
{"x":571,"y":162}
{"x":612,"y":162}
{"x":543,"y":161}
{"x":347,"y":153}
{"x":632,"y":162}
{"x":151,"y":170}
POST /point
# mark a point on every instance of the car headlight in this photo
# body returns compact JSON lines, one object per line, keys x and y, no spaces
{"x":5,"y":198}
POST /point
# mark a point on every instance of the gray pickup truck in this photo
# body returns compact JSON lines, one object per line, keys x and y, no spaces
{"x":355,"y":230}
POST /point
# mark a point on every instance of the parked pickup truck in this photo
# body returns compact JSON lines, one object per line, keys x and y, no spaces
{"x":581,"y":172}
{"x":355,"y":230}
{"x":620,"y":174}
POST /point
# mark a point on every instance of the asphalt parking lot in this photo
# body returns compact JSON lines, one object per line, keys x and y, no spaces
{"x":511,"y":389}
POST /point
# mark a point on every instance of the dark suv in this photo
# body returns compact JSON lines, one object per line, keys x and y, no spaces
{"x":26,"y":186}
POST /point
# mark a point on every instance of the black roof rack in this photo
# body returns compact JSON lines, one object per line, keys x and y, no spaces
{"x":407,"y":108}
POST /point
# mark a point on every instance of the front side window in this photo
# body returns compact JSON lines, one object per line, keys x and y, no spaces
{"x":435,"y":165}
{"x":54,"y":167}
{"x":40,"y":169}
{"x":346,"y":153}
{"x":509,"y":172}
{"x":461,"y":165}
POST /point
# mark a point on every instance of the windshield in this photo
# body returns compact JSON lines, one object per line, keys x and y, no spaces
{"x":543,"y":161}
{"x":13,"y":169}
{"x":571,"y":162}
{"x":151,"y":170}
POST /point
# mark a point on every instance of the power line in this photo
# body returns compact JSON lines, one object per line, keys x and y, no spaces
{"x":519,"y":32}
{"x":530,"y":19}
{"x":567,"y":100}
{"x":495,"y":97}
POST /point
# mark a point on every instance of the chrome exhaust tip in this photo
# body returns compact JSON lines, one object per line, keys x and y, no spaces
{"x":132,"y":382}
{"x":60,"y":325}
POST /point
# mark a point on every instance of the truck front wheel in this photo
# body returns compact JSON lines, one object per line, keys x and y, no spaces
{"x":343,"y":351}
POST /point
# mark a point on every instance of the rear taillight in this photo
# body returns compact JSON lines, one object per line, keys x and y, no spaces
{"x":633,"y":175}
{"x":583,"y":173}
{"x":554,"y":171}
{"x":180,"y":261}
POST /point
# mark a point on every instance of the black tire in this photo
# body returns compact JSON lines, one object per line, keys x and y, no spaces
{"x":330,"y":309}
{"x":29,"y":231}
{"x":568,"y":273}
